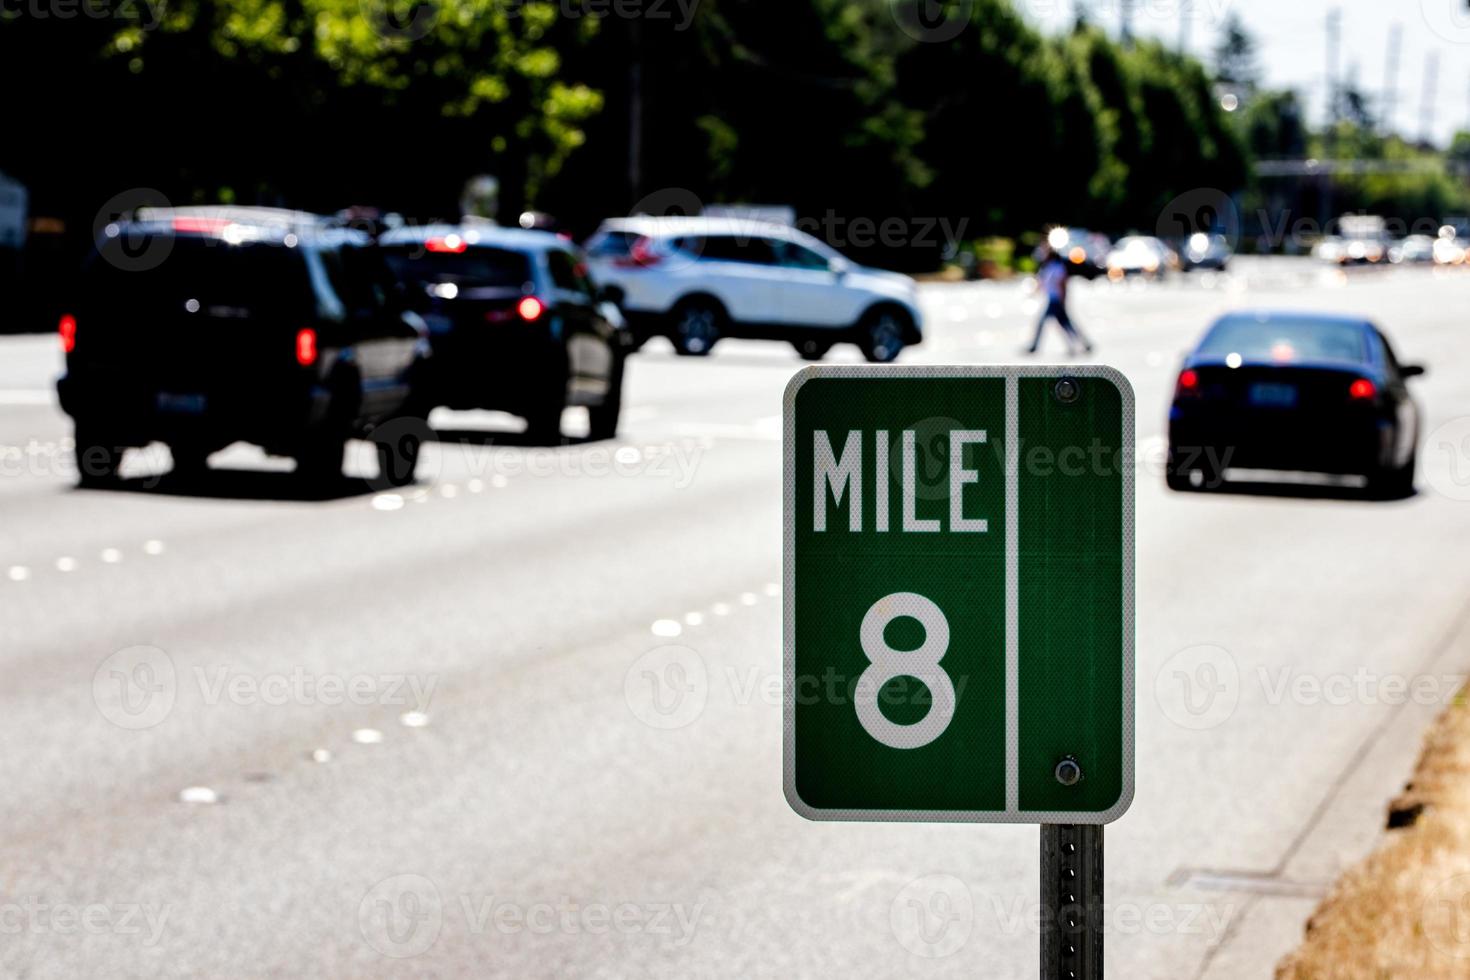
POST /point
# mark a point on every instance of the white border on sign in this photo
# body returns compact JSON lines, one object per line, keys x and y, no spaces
{"x":1011,"y":374}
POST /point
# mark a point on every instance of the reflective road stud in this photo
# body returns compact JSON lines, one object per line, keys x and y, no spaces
{"x":959,"y":600}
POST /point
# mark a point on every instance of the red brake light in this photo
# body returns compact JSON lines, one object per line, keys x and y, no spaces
{"x":1188,"y":380}
{"x":449,"y":243}
{"x":530,"y":308}
{"x":1362,"y":390}
{"x":67,"y":327}
{"x":306,"y":347}
{"x":198,"y":225}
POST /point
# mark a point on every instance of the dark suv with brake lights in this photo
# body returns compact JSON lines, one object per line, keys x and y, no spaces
{"x":515,"y":324}
{"x":203,"y":327}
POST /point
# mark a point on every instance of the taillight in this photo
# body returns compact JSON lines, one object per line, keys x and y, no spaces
{"x":67,"y":328}
{"x":530,"y":308}
{"x":1188,"y":381}
{"x":306,"y":347}
{"x":1362,"y":390}
{"x":452,"y":244}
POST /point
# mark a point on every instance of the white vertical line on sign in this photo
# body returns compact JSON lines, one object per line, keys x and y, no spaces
{"x":1013,"y":589}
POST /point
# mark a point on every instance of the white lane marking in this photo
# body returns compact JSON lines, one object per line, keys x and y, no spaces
{"x":747,"y":598}
{"x":720,"y":609}
{"x":198,"y":794}
{"x":694,"y":619}
{"x":66,"y":563}
{"x":321,"y":755}
{"x":19,"y":573}
{"x":667,"y":627}
{"x":413,"y":719}
{"x":153,"y":547}
{"x":367,"y":736}
{"x":111,"y":556}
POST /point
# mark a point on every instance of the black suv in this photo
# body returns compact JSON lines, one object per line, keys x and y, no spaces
{"x":203,"y":327}
{"x":515,"y":324}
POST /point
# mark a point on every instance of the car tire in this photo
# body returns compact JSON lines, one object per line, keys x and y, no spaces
{"x":543,"y":421}
{"x":98,"y":461}
{"x":398,"y":449}
{"x":190,"y":462}
{"x":1394,"y":484}
{"x":319,"y":460}
{"x":881,"y":334}
{"x":697,"y":326}
{"x":602,"y":420}
{"x":811,"y":350}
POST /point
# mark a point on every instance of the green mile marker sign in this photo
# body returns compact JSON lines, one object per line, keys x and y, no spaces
{"x":959,"y":594}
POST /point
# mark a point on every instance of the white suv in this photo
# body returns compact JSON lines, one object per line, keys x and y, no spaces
{"x":696,"y":280}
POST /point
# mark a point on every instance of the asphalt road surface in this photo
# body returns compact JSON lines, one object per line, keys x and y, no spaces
{"x":524,"y":720}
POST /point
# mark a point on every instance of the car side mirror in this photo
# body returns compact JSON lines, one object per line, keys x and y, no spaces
{"x":839,"y":267}
{"x":610,"y":294}
{"x":1413,"y":370}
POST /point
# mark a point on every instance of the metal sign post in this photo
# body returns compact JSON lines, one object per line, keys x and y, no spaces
{"x":1071,"y":902}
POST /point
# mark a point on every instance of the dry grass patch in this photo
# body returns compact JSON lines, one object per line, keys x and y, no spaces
{"x":1405,"y":911}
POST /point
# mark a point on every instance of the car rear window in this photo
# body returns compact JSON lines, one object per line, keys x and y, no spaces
{"x":1285,"y":339}
{"x":478,"y":266}
{"x":612,"y":244}
{"x":209,"y":276}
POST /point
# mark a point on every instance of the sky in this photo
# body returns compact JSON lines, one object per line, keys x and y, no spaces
{"x":1292,"y":36}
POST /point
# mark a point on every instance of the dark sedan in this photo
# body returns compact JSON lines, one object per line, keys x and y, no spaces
{"x":515,"y":324}
{"x":1298,"y":392}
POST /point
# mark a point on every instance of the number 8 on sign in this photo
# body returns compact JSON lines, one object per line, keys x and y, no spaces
{"x":886,"y":663}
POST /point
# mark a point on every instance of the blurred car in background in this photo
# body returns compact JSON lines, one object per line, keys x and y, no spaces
{"x":1451,"y":247}
{"x":1141,"y":255}
{"x":1414,"y":250}
{"x":1085,"y":252}
{"x":515,"y":324}
{"x":699,"y":279}
{"x":1365,"y":239}
{"x":1331,"y":249}
{"x":200,"y":327}
{"x":1298,"y":392}
{"x":1208,"y":252}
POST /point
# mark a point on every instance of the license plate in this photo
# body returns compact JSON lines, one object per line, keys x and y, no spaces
{"x":1273,"y":395}
{"x":175,"y":404}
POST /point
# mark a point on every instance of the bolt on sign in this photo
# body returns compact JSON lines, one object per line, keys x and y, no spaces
{"x":959,"y":594}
